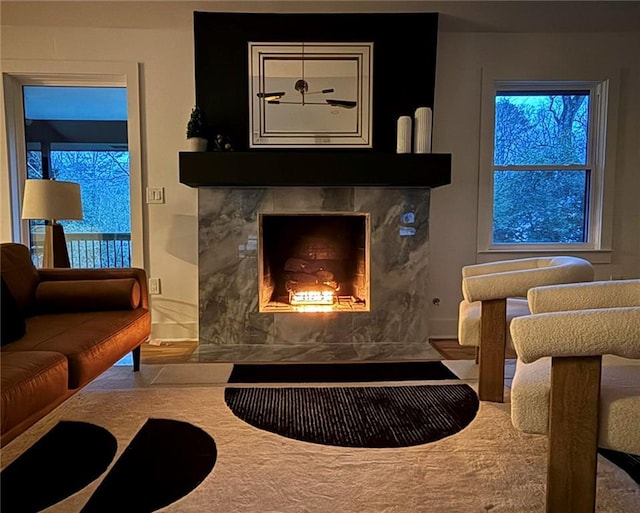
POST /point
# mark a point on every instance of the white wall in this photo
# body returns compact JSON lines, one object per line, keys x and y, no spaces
{"x":164,"y":47}
{"x":167,"y":95}
{"x":461,"y":57}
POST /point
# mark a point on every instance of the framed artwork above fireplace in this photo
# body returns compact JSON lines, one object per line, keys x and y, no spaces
{"x":314,"y":95}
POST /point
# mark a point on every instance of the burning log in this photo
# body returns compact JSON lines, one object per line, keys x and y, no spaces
{"x":314,"y":272}
{"x":293,"y":285}
{"x":322,"y":269}
{"x":316,"y":294}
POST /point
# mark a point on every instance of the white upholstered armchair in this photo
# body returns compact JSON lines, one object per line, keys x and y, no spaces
{"x":495,"y":293}
{"x":577,"y":379}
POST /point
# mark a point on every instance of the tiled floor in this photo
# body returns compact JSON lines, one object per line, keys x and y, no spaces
{"x":193,"y":373}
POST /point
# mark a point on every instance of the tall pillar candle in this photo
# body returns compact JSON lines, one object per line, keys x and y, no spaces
{"x":422,"y":133}
{"x":403,"y":143}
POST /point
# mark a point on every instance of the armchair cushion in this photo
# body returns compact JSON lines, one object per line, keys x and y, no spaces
{"x":514,"y":278}
{"x":578,"y":333}
{"x":469,"y":320}
{"x":609,"y":326}
{"x":582,"y":296}
{"x":619,"y":401}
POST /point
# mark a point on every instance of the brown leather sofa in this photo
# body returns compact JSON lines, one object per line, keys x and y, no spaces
{"x":61,"y":328}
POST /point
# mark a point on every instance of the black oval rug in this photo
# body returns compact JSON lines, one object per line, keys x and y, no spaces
{"x":374,"y":417}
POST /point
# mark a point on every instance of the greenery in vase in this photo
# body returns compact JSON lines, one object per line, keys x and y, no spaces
{"x":197,"y":126}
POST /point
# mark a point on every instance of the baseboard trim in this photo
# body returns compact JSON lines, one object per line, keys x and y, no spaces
{"x":174,"y":331}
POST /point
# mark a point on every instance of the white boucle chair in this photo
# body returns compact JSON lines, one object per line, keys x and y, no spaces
{"x":495,"y":293}
{"x":577,"y":380}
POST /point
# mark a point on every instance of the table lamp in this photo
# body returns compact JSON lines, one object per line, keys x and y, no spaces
{"x":52,"y":200}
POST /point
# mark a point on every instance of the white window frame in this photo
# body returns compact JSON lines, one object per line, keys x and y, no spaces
{"x":18,"y":73}
{"x":600,"y":162}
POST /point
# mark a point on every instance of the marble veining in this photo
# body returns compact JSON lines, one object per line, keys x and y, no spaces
{"x":230,"y":324}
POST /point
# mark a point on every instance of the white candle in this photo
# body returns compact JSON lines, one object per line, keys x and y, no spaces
{"x":403,"y":143}
{"x":422,"y":134}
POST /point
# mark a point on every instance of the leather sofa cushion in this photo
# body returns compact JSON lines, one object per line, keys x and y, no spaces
{"x":19,"y":274}
{"x":91,"y":341}
{"x":87,"y":295}
{"x":31,"y":381}
{"x":12,"y":326}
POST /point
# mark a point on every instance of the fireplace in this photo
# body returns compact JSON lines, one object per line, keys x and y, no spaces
{"x":264,"y":213}
{"x":247,"y":236}
{"x":311,"y":263}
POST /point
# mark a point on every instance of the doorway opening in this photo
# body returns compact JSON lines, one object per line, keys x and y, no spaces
{"x":80,"y":134}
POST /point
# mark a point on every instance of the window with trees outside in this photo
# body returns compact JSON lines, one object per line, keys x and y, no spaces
{"x":546,"y":172}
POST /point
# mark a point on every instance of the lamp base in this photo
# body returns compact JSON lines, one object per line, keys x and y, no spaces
{"x":55,"y":247}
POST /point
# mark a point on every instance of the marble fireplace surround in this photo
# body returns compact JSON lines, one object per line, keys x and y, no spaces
{"x":232,"y":328}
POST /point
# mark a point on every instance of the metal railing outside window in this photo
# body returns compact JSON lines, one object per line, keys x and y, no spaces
{"x":90,"y":250}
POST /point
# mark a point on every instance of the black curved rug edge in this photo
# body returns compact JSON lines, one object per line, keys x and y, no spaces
{"x":152,"y":473}
{"x":630,"y":463}
{"x":149,"y":474}
{"x":362,"y":417}
{"x":65,"y":460}
{"x":339,"y":372}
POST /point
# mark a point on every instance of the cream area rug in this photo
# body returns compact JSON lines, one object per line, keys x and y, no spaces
{"x":488,"y":466}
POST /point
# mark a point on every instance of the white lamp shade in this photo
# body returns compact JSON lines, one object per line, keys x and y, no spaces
{"x":51,"y":199}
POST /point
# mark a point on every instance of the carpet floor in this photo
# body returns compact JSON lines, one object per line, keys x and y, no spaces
{"x":488,"y":466}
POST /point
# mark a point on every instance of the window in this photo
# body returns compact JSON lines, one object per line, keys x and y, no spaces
{"x":544,"y":188}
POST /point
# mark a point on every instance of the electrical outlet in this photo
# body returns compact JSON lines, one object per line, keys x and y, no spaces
{"x":155,"y":194}
{"x":154,"y":285}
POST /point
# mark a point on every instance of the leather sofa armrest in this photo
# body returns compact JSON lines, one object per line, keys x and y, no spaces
{"x":59,"y":274}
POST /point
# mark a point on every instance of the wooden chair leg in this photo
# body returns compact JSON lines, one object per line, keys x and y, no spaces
{"x":493,"y":338}
{"x":573,"y":434}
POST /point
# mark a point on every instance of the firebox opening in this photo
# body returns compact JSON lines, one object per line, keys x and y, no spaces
{"x":313,"y":262}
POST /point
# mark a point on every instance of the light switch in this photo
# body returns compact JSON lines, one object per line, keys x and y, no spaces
{"x":155,"y":194}
{"x":154,"y":285}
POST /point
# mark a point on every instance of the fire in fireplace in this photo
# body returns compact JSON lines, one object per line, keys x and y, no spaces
{"x":313,"y":262}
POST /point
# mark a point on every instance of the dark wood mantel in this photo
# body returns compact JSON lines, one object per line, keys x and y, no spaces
{"x":330,"y":168}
